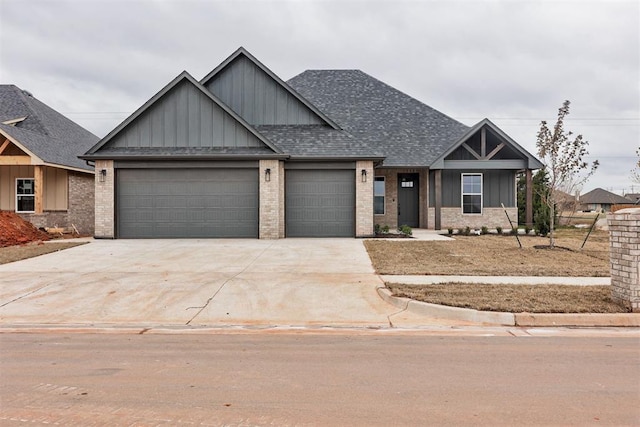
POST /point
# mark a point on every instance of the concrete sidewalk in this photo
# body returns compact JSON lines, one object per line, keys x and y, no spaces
{"x":502,"y":318}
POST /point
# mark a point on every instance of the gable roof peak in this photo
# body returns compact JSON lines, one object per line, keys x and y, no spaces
{"x":241,"y":51}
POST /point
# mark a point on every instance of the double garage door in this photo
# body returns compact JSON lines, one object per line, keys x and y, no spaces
{"x":209,"y":203}
{"x":191,"y":203}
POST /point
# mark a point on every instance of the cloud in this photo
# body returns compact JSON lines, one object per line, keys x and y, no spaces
{"x":514,"y":62}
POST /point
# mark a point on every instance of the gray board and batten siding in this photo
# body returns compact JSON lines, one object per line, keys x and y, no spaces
{"x":498,"y":186}
{"x":187,"y":203}
{"x":185,"y":117}
{"x":319,"y":202}
{"x":258,"y":98}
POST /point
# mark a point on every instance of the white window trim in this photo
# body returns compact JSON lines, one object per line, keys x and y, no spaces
{"x":384,"y":196}
{"x":462,"y":193}
{"x":15,"y":189}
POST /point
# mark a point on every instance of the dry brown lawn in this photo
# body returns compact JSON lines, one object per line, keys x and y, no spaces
{"x":30,"y":250}
{"x":493,"y":255}
{"x":514,"y":298}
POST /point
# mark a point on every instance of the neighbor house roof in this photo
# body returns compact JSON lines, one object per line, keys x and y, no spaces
{"x":634,"y":197}
{"x":41,"y":130}
{"x":603,"y":197}
{"x":382,"y":118}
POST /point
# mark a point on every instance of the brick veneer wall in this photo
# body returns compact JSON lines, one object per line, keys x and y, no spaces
{"x":364,"y":199}
{"x":271,"y":200}
{"x":104,"y":200}
{"x":624,"y":238}
{"x":81,"y":202}
{"x":80,"y":207}
{"x":490,"y":217}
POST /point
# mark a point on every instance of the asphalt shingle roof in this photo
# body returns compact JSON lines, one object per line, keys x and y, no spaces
{"x":380,"y":117}
{"x":316,"y":141}
{"x":45,"y":132}
{"x":601,"y":196}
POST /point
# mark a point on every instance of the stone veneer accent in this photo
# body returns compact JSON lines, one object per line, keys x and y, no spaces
{"x":104,"y":200}
{"x":80,"y":208}
{"x":624,"y":241}
{"x":364,"y":199}
{"x":490,"y":217}
{"x":272,"y":200}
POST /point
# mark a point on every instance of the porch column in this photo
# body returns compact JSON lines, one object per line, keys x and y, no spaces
{"x":529,"y":198}
{"x":438,"y":197}
{"x":38,"y":182}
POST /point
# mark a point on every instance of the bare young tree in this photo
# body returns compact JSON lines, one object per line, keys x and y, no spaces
{"x":563,"y":157}
{"x":635,"y":172}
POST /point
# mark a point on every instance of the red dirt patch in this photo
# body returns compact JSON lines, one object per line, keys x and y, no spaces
{"x":16,"y":231}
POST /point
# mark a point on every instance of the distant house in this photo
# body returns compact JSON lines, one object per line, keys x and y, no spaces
{"x":600,"y":200}
{"x":329,"y":153}
{"x":41,"y":177}
{"x":634,"y":198}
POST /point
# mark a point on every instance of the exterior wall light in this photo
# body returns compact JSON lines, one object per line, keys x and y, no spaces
{"x":103,"y":174}
{"x":267,"y":174}
{"x":364,"y":175}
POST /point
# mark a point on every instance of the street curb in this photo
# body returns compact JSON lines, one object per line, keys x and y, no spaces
{"x":512,"y":319}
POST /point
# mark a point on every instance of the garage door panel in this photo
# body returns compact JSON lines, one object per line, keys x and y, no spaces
{"x":172,"y":203}
{"x":320,"y":203}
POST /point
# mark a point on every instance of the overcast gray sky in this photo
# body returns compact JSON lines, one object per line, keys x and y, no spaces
{"x":513,"y":62}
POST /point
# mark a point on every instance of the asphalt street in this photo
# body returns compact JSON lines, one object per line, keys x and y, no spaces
{"x":317,"y":379}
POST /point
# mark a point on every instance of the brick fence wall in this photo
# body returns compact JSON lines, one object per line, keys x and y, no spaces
{"x":624,"y":238}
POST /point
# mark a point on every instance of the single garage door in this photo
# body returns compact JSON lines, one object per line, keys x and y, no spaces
{"x":320,"y":203}
{"x":186,"y":203}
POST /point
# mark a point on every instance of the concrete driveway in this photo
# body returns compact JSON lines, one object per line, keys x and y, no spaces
{"x":324,"y":282}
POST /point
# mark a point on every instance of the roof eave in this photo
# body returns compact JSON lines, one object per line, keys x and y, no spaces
{"x":156,"y":157}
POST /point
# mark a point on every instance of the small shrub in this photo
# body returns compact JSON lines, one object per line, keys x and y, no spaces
{"x":385,"y":229}
{"x":514,"y":231}
{"x":499,"y":229}
{"x":484,"y":230}
{"x":450,"y":231}
{"x":376,"y":228}
{"x":460,"y":231}
{"x":527,"y":230}
{"x":467,"y":231}
{"x":406,"y":230}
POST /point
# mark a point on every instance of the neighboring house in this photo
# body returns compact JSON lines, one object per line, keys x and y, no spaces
{"x":242,"y":153}
{"x":600,"y":200}
{"x":633,"y":197}
{"x":41,"y":177}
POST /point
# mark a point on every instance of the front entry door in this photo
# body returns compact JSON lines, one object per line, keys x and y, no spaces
{"x":408,"y":200}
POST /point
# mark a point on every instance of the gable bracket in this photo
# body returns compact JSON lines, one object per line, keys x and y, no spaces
{"x":495,"y":151}
{"x":472,"y":151}
{"x":4,"y":145}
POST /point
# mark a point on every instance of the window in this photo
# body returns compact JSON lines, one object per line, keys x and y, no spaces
{"x":378,"y":195}
{"x":472,"y":193}
{"x":25,"y":195}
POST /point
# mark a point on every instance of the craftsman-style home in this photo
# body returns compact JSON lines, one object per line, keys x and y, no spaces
{"x":41,"y":177}
{"x":242,"y":153}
